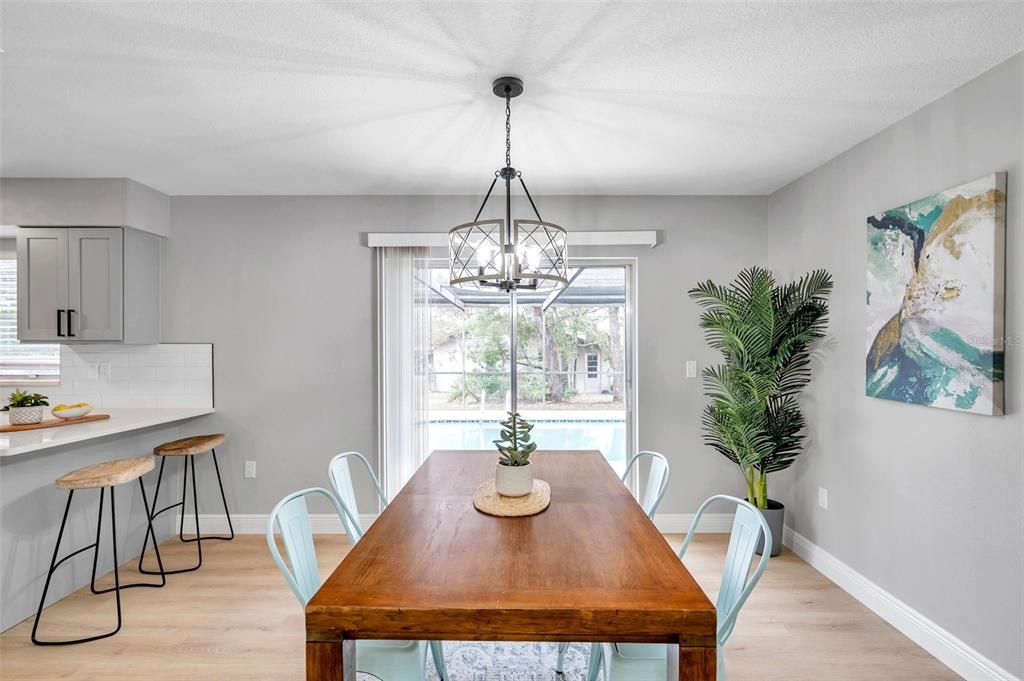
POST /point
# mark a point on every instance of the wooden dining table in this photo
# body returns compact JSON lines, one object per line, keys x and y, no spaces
{"x":590,"y":568}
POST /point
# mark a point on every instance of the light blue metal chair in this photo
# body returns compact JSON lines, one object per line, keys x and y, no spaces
{"x":340,"y":473}
{"x":654,"y":491}
{"x":388,"y":660}
{"x":657,"y":480}
{"x":642,"y":662}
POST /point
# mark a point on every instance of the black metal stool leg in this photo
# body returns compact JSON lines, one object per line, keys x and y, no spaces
{"x":96,"y":545}
{"x":181,"y":525}
{"x":195,"y":514}
{"x":153,"y":513}
{"x":54,"y":564}
{"x":184,"y":492}
{"x":149,"y":532}
{"x":113,"y":545}
{"x":49,"y":571}
{"x":223,"y":499}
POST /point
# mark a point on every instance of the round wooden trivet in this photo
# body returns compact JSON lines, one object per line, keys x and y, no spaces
{"x":487,"y":500}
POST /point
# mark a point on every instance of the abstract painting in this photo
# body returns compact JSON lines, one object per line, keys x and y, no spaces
{"x":935,"y":299}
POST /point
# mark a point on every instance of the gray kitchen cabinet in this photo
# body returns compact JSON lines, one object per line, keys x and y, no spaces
{"x":42,"y":283}
{"x":95,"y":284}
{"x":88,"y":284}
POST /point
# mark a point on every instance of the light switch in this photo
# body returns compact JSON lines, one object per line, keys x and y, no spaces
{"x":250,"y":469}
{"x":94,"y":371}
{"x":823,"y":498}
{"x":691,"y":368}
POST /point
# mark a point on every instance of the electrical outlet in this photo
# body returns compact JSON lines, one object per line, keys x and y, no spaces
{"x":250,"y":469}
{"x":105,"y":370}
{"x":823,"y":498}
{"x":691,"y":368}
{"x":94,"y":371}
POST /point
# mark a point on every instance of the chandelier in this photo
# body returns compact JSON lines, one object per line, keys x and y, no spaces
{"x":505,"y":254}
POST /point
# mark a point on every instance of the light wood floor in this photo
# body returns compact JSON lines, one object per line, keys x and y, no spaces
{"x":237,"y":620}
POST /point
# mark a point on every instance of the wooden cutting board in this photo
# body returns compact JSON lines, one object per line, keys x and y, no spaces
{"x":54,"y":423}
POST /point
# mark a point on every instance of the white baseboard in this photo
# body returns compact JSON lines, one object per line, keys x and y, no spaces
{"x":256,"y":523}
{"x":941,"y":644}
{"x":679,"y":523}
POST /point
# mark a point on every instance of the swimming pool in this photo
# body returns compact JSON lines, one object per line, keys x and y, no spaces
{"x":608,"y":436}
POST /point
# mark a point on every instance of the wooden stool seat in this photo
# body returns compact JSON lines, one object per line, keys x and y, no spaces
{"x":188,"y":446}
{"x":106,"y":474}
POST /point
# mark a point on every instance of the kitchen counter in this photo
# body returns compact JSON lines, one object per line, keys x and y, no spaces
{"x":120,"y":421}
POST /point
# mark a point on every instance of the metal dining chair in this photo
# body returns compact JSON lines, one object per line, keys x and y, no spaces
{"x":657,"y":480}
{"x":642,"y":661}
{"x":388,"y":660}
{"x":340,"y":473}
{"x":654,"y":491}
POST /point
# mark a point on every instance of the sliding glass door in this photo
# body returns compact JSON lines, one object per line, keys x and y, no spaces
{"x":575,"y":362}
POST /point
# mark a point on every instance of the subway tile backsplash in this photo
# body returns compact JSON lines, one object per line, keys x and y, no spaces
{"x":132,"y":376}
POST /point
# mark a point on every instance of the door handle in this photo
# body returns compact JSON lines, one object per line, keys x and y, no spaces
{"x":59,"y":320}
{"x":70,"y":335}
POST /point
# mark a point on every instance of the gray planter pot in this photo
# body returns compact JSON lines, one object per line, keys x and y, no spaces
{"x":775,"y":514}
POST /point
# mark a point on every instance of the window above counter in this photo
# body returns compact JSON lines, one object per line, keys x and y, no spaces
{"x":27,"y":364}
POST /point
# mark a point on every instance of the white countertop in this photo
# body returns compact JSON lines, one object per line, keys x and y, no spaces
{"x":120,"y":421}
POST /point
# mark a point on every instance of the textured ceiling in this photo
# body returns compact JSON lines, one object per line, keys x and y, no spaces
{"x":384,"y":97}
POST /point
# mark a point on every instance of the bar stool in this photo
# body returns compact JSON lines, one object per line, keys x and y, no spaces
{"x":188,"y":448}
{"x":100,"y":476}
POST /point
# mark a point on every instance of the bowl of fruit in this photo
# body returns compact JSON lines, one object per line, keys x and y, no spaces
{"x":71,"y":411}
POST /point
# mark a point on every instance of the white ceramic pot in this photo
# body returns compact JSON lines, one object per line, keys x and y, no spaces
{"x":513,"y":481}
{"x":23,"y":416}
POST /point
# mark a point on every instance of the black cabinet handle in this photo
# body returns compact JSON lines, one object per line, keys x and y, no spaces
{"x":70,"y":325}
{"x":59,"y":320}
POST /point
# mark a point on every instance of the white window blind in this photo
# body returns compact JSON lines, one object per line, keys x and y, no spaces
{"x":404,"y":350}
{"x":21,"y":363}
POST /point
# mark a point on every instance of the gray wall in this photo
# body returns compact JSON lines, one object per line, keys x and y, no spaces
{"x":927,"y":503}
{"x":284,"y":288}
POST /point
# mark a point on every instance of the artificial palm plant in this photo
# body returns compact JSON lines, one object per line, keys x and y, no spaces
{"x":764,"y":332}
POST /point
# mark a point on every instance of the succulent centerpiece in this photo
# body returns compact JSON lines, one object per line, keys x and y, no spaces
{"x":513,"y":476}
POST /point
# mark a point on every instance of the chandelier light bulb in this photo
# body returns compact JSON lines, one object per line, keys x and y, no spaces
{"x":529,"y":258}
{"x":485,"y":251}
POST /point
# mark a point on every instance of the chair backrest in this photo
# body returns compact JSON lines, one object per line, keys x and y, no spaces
{"x":657,"y":480}
{"x":340,"y":473}
{"x":737,"y":580}
{"x":291,"y":516}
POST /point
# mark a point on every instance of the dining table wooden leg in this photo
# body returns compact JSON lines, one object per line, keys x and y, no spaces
{"x":687,"y":663}
{"x":331,"y":660}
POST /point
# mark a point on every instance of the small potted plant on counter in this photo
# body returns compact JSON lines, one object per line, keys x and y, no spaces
{"x":26,"y":408}
{"x":513,"y":476}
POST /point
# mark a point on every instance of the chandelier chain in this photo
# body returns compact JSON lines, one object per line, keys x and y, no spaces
{"x":508,"y":129}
